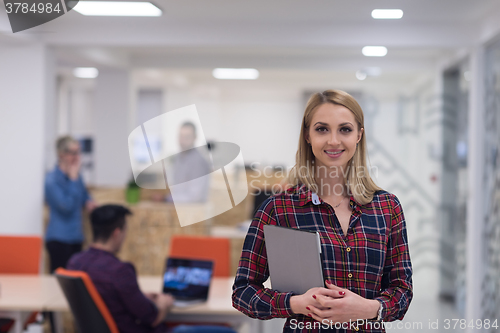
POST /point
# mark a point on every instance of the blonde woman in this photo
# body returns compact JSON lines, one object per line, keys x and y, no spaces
{"x":366,"y":262}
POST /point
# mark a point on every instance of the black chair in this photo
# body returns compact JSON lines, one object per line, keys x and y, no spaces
{"x":6,"y":324}
{"x":90,"y":312}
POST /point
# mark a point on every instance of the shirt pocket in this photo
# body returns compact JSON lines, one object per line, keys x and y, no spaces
{"x":371,"y":243}
{"x":368,"y":260}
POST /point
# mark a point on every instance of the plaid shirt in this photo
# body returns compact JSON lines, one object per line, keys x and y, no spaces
{"x":372,"y":260}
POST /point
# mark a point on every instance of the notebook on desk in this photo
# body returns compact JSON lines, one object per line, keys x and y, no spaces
{"x":187,"y":280}
{"x":294,"y":259}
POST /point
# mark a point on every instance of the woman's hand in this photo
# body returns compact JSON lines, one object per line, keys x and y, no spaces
{"x":342,"y":309}
{"x":303,"y":304}
{"x":90,"y":206}
{"x":73,"y":169}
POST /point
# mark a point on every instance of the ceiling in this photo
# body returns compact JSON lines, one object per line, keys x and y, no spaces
{"x":279,"y":34}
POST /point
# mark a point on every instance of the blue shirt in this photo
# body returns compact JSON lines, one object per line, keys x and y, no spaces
{"x":65,"y":198}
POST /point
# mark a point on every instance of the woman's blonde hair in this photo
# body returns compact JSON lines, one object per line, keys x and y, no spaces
{"x":361,"y":186}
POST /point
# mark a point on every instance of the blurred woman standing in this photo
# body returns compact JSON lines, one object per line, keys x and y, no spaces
{"x":66,"y":196}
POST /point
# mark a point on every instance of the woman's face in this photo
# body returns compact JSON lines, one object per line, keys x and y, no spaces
{"x":333,"y":135}
{"x":71,"y":154}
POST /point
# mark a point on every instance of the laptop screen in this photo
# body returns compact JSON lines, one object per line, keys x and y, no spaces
{"x":187,"y":279}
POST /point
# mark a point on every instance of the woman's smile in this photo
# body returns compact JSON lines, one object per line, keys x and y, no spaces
{"x":335,"y":153}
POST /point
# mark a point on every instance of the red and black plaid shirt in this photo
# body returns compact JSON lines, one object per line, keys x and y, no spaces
{"x":372,"y":260}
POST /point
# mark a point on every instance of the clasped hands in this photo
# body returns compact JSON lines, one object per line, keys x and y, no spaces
{"x":334,"y":304}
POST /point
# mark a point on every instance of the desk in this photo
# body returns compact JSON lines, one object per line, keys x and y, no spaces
{"x":22,"y":294}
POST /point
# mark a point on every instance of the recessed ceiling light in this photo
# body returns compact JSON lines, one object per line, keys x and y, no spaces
{"x":86,"y":72}
{"x":387,"y":14}
{"x":235,"y":73}
{"x":117,"y":8}
{"x":374,"y":51}
{"x":360,"y":75}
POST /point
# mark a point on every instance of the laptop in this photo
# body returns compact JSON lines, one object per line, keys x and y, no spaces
{"x":294,"y":259}
{"x":188,"y":280}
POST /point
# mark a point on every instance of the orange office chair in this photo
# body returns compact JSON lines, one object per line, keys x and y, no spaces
{"x":20,"y":254}
{"x":202,"y":247}
{"x":90,"y":312}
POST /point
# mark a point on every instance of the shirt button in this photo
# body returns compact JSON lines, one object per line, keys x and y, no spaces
{"x":349,"y":275}
{"x":348,"y":249}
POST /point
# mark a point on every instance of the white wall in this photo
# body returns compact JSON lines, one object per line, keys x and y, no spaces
{"x":406,"y":162}
{"x":111,"y":128}
{"x":25,"y":91}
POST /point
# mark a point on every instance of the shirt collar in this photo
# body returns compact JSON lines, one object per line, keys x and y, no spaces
{"x":306,"y":196}
{"x":91,"y":248}
{"x":354,"y":205}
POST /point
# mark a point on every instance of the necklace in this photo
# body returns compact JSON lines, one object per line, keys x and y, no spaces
{"x":339,"y":202}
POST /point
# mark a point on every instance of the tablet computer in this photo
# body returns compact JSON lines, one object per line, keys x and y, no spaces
{"x":294,"y":259}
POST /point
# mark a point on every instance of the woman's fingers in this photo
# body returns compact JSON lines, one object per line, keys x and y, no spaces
{"x":332,"y":286}
{"x":315,"y":317}
{"x":339,"y":293}
{"x":319,"y":313}
{"x":325,"y":301}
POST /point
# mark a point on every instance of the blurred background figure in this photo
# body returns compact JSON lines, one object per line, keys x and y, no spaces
{"x":187,"y":167}
{"x":66,"y":197}
{"x":116,"y":281}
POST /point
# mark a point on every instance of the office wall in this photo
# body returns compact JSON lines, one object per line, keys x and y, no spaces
{"x":111,"y":121}
{"x":404,"y":135}
{"x":25,"y":96}
{"x":265,"y":124}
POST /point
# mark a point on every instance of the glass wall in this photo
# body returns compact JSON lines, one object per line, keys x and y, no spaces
{"x":454,"y":185}
{"x":491,"y":245}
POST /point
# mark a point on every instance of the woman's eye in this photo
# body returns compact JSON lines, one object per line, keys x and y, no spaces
{"x":345,"y":129}
{"x":320,"y":129}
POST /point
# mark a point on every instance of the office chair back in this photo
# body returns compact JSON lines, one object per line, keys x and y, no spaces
{"x":89,"y":310}
{"x":6,"y":324}
{"x":20,"y":254}
{"x":202,"y":247}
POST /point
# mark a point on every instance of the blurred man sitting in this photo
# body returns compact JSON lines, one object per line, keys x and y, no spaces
{"x":116,"y":281}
